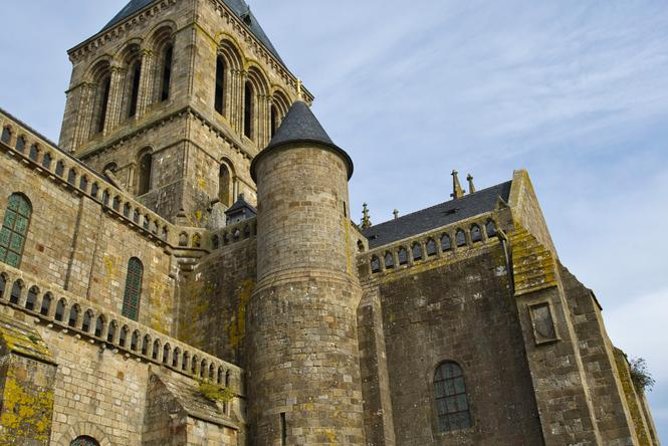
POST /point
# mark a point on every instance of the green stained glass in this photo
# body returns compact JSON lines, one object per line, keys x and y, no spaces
{"x":24,"y":208}
{"x":13,"y":259}
{"x":133,"y":288}
{"x":452,"y":405}
{"x":5,"y":235}
{"x":14,"y":202}
{"x":10,"y":219}
{"x":16,"y":244}
{"x":21,"y":225}
{"x":3,"y":253}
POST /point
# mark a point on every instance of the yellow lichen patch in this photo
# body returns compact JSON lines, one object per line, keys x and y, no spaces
{"x":20,"y":338}
{"x":237,"y":328}
{"x":631,"y":398}
{"x":534,"y":266}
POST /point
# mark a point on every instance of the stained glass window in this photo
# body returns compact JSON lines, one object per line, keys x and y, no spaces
{"x":451,"y":400}
{"x":14,"y":230}
{"x":133,"y":287}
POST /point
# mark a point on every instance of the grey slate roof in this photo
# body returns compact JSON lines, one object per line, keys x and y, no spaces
{"x":239,"y":7}
{"x":300,"y":125}
{"x":241,"y":204}
{"x":434,"y":217}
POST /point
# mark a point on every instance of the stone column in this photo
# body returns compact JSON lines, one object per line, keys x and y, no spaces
{"x":146,"y":83}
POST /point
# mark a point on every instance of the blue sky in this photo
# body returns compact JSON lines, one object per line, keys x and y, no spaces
{"x":574,"y":91}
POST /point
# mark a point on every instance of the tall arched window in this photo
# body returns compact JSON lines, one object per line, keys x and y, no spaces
{"x":15,"y":230}
{"x":167,"y":59}
{"x":225,"y":185}
{"x":220,"y":85}
{"x":249,"y":112}
{"x":6,"y":135}
{"x":133,"y":288}
{"x":134,"y":79}
{"x":84,"y":441}
{"x":452,"y":404}
{"x":274,"y":119}
{"x":102,"y":103}
{"x":145,"y":170}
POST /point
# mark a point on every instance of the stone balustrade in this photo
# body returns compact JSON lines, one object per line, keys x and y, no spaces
{"x":61,"y":310}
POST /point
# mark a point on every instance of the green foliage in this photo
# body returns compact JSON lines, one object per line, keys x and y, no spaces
{"x":216,"y":393}
{"x":641,"y":377}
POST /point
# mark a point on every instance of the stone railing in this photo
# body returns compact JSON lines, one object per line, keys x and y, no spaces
{"x":43,"y":156}
{"x":436,"y":244}
{"x":62,"y":310}
{"x":229,"y":235}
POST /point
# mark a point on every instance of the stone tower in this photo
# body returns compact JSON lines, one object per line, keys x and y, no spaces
{"x":172,"y":99}
{"x":303,"y":373}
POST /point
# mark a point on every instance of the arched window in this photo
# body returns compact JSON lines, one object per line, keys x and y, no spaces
{"x":389,"y":260}
{"x":20,"y":144}
{"x":249,"y":112}
{"x":490,"y":228}
{"x":102,"y":103}
{"x":134,"y":341}
{"x":417,"y":251}
{"x":446,"y":243}
{"x":84,"y":441}
{"x":31,"y":300}
{"x":167,"y":57}
{"x":74,"y":316}
{"x":6,"y":135}
{"x":34,"y":152}
{"x":15,"y":230}
{"x":60,"y":168}
{"x":431,"y":247}
{"x":99,"y":326}
{"x":3,"y":285}
{"x":274,"y":119}
{"x":72,"y":176}
{"x":133,"y":288}
{"x":403,"y":256}
{"x":219,"y":102}
{"x":135,"y":78}
{"x":46,"y":160}
{"x":360,"y":245}
{"x":176,"y":356}
{"x":60,"y":310}
{"x":145,"y":170}
{"x":156,"y":349}
{"x":476,"y":233}
{"x":460,"y":237}
{"x":375,"y":264}
{"x":112,"y":331}
{"x":87,"y":321}
{"x":186,"y":360}
{"x":165,"y":353}
{"x":83,"y":183}
{"x":452,"y":404}
{"x":46,"y":304}
{"x":225,"y":185}
{"x":123,"y":337}
{"x":17,"y":290}
{"x":145,"y":344}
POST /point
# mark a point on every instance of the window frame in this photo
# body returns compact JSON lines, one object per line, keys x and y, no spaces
{"x":10,"y":221}
{"x":456,"y":396}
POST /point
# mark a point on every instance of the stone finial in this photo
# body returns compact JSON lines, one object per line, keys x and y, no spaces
{"x":366,"y":220}
{"x":457,"y":191}
{"x":300,"y":90}
{"x":469,"y":178}
{"x":395,"y":213}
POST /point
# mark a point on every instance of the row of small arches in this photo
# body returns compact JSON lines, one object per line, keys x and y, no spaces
{"x":417,"y":252}
{"x":114,"y":332}
{"x":87,"y":184}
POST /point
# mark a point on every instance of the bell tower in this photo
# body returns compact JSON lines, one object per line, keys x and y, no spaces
{"x":172,"y":100}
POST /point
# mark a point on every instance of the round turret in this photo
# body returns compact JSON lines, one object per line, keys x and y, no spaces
{"x":304,"y":377}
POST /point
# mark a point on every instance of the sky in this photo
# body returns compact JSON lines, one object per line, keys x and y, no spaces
{"x":574,"y":91}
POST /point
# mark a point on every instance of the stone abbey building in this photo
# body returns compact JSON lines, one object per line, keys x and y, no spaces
{"x":182,"y":269}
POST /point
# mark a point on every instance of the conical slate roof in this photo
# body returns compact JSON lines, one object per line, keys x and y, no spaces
{"x":239,"y":7}
{"x":301,"y":126}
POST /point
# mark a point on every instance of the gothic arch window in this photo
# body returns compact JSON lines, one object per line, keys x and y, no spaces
{"x":417,"y":251}
{"x":87,"y":321}
{"x":225,"y":185}
{"x":431,"y":247}
{"x":375,"y":264}
{"x":46,"y":160}
{"x":102,"y":103}
{"x":490,"y":228}
{"x":31,"y":300}
{"x":403,"y":256}
{"x":99,"y":326}
{"x":72,"y":176}
{"x":6,"y":135}
{"x":46,"y":304}
{"x":133,"y":289}
{"x":145,"y":173}
{"x":156,"y":349}
{"x":460,"y":238}
{"x":389,"y":260}
{"x":134,"y":80}
{"x":15,"y":230}
{"x":17,"y":290}
{"x":165,"y":353}
{"x":74,"y":315}
{"x":452,"y":406}
{"x":274,"y":119}
{"x":176,"y":356}
{"x":60,"y":310}
{"x":60,"y":168}
{"x":446,"y":243}
{"x":219,"y":100}
{"x":249,"y":109}
{"x":166,"y":79}
{"x":84,"y":441}
{"x":113,"y":326}
{"x":476,"y":233}
{"x":20,"y":144}
{"x":34,"y":152}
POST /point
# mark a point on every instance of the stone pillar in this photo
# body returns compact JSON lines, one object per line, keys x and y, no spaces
{"x":304,"y":368}
{"x":146,"y":83}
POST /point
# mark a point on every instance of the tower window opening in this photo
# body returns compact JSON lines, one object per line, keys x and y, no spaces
{"x":166,"y":72}
{"x":220,"y":85}
{"x":145,"y":171}
{"x":103,"y":104}
{"x":248,"y":110}
{"x":134,"y":89}
{"x":274,"y":120}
